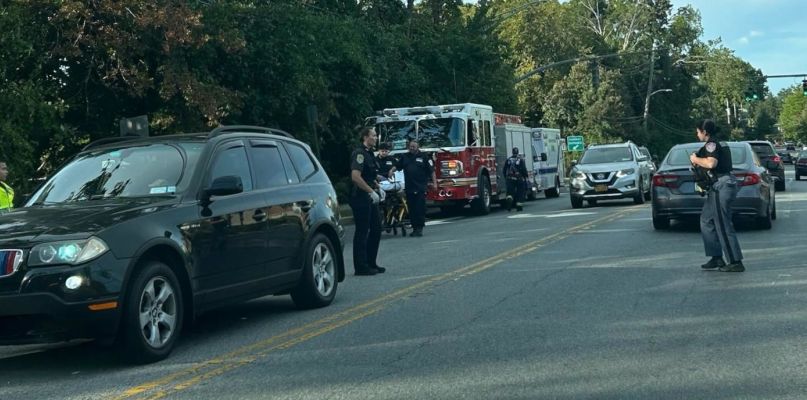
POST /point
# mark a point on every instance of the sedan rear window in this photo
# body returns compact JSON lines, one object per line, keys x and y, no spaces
{"x":680,"y":156}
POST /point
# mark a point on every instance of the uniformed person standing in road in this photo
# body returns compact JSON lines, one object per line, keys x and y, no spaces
{"x":6,"y":192}
{"x":515,"y":172}
{"x":418,"y":172}
{"x":717,"y":228}
{"x":364,"y":202}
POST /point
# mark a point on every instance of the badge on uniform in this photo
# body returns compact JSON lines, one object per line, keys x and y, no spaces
{"x":419,"y":159}
{"x":711,"y":147}
{"x":360,"y":158}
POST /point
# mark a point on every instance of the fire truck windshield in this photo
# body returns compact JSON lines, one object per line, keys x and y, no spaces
{"x":441,"y":132}
{"x":430,"y":133}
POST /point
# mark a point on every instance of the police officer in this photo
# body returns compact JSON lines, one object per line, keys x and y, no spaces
{"x":515,"y":173}
{"x":6,"y":192}
{"x":418,"y":172}
{"x":716,"y":226}
{"x":386,"y":162}
{"x":364,"y":202}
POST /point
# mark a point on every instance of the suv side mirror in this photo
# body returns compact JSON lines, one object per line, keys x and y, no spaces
{"x":222,"y":186}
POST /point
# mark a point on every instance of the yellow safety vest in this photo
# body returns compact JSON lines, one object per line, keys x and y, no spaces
{"x":6,"y":197}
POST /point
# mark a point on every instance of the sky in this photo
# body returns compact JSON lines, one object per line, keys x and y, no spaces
{"x":769,"y":34}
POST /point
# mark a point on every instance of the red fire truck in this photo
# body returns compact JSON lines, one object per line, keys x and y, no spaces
{"x":462,"y":142}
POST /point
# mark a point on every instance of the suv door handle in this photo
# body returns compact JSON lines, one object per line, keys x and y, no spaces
{"x":305,"y":205}
{"x":259,"y":215}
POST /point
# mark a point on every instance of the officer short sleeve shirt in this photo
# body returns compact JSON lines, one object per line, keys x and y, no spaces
{"x":417,"y":170}
{"x":362,"y":160}
{"x":712,"y":148}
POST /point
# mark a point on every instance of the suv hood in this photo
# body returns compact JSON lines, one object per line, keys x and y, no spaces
{"x":605,"y":167}
{"x":71,"y":221}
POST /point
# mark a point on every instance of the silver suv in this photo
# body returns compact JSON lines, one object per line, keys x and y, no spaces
{"x":610,"y":171}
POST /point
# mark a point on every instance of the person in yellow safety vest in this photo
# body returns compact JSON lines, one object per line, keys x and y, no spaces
{"x":6,"y":192}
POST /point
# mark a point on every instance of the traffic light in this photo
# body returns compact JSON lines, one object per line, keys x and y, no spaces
{"x":751,"y":96}
{"x":804,"y":87}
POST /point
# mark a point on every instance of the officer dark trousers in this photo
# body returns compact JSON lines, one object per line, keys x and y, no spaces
{"x":416,"y":201}
{"x":716,"y":227}
{"x":515,"y":189}
{"x":367,"y":221}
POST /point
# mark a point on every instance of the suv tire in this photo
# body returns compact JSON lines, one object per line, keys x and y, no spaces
{"x":639,"y":198}
{"x":780,"y":185}
{"x":318,"y":282}
{"x":153,"y":309}
{"x":577,"y":202}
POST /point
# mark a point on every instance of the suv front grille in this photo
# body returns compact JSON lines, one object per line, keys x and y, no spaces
{"x":10,"y":260}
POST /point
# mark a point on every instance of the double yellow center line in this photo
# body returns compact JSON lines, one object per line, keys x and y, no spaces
{"x":205,"y":370}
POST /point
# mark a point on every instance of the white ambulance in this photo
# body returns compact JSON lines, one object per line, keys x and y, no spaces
{"x":547,"y":154}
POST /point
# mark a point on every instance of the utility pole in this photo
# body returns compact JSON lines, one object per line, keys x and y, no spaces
{"x":649,"y":88}
{"x":728,"y":112}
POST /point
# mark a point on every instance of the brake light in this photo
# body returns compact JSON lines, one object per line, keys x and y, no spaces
{"x":748,"y":179}
{"x":776,"y":159}
{"x":665,"y":180}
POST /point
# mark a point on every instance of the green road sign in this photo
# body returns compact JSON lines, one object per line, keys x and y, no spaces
{"x":574,"y":143}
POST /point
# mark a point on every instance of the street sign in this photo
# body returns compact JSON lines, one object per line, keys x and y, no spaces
{"x":574,"y":143}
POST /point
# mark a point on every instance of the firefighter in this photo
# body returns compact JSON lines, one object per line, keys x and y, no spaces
{"x":418,"y":171}
{"x":515,"y":172}
{"x":364,"y":203}
{"x":6,"y":192}
{"x":717,"y":229}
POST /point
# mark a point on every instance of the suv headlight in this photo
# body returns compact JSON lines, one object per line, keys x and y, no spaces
{"x":577,"y":175}
{"x":68,"y":252}
{"x":625,"y":172}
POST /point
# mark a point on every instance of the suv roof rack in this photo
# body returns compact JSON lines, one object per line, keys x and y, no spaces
{"x":223,"y":129}
{"x":103,"y":141}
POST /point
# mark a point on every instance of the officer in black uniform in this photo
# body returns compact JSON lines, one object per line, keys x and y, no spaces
{"x":716,"y":227}
{"x":418,"y":171}
{"x":515,"y":171}
{"x":364,"y":202}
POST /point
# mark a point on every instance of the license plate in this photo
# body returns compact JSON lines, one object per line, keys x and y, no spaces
{"x":601,"y":188}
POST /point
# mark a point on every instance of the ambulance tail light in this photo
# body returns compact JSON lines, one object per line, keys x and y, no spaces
{"x":450,"y":168}
{"x":748,"y":179}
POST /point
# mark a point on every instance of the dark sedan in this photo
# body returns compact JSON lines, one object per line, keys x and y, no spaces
{"x":800,"y":164}
{"x":674,"y":194}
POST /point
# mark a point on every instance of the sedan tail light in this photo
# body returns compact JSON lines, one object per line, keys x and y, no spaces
{"x":776,"y":159}
{"x":665,"y":180}
{"x":748,"y":179}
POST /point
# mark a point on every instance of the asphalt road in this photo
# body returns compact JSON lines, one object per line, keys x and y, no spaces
{"x":548,"y":303}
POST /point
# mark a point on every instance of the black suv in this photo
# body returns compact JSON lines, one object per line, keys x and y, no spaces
{"x":770,"y":160}
{"x":136,"y":236}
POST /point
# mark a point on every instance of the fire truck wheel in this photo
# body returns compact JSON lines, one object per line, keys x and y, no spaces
{"x":481,"y":204}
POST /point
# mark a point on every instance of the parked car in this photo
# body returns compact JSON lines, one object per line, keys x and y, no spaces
{"x":770,"y":160}
{"x":675,"y":196}
{"x":610,"y":171}
{"x":651,"y":163}
{"x":136,"y":236}
{"x":800,"y":164}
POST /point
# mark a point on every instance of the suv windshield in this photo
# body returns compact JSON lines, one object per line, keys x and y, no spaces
{"x":603,"y":155}
{"x":148,"y":170}
{"x":430,"y":133}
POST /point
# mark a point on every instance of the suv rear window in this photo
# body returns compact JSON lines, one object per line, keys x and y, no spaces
{"x":763,"y":149}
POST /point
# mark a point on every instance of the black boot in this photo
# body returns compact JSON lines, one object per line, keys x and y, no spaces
{"x":715,"y":262}
{"x":733,"y":267}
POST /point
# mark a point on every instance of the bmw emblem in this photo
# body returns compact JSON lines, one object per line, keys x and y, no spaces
{"x":600,"y":176}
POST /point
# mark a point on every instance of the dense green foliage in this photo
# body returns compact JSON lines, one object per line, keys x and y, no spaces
{"x":70,"y":69}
